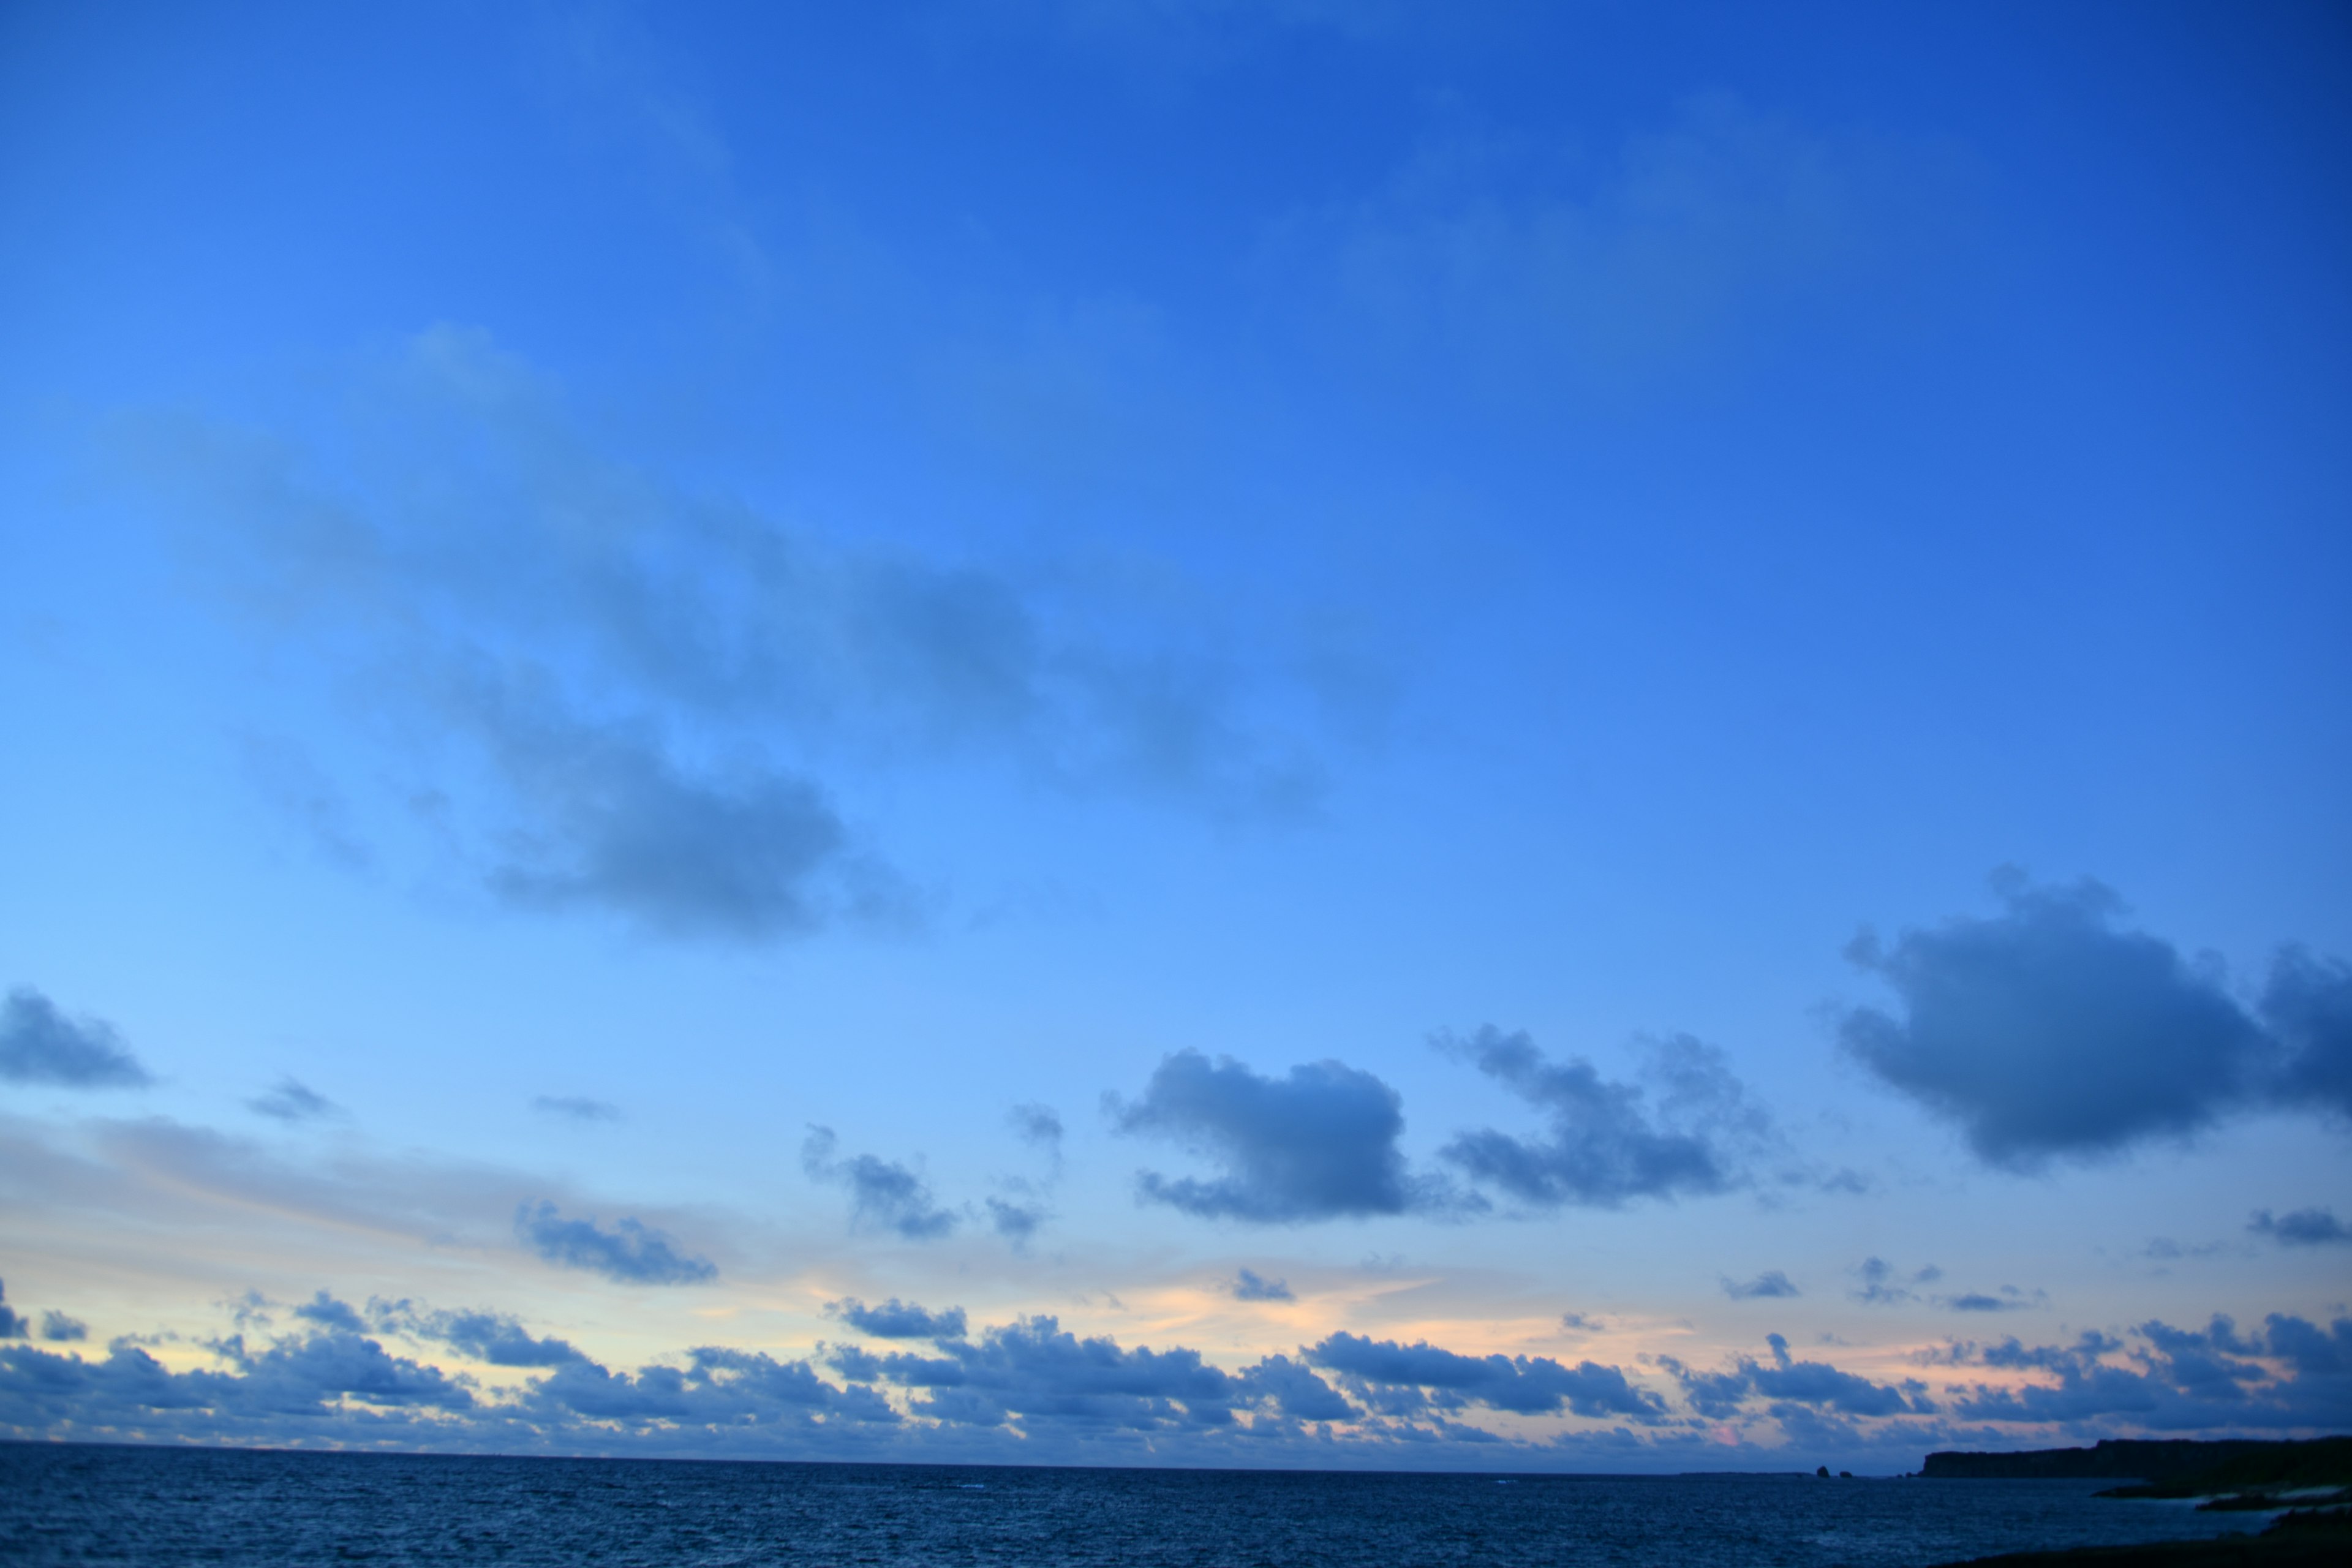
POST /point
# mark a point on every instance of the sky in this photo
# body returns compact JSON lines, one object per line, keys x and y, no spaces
{"x":1484,"y":736}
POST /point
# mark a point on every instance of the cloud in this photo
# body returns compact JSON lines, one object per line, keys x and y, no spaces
{"x":631,"y":1252}
{"x":1790,"y":1383}
{"x":632,"y":686}
{"x":329,"y":1313}
{"x":290,"y":1099}
{"x":1248,"y":1286}
{"x":1039,"y":1126}
{"x":2303,"y":1228}
{"x":489,"y":1337}
{"x":575,"y":1108}
{"x":1015,"y":1222}
{"x":2010,"y":1300}
{"x":41,"y":1045}
{"x":59,"y":1328}
{"x":1527,"y":1385}
{"x":1881,"y":1288}
{"x":1617,"y":267}
{"x":1318,"y":1143}
{"x":884,"y":1194}
{"x":14,"y":1325}
{"x":896,"y":1319}
{"x":2046,"y":1032}
{"x":1605,"y":1147}
{"x":2309,"y":1007}
{"x":2289,"y":1374}
{"x":1770,"y":1283}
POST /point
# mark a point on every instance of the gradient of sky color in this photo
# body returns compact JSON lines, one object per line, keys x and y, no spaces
{"x":1658,"y":692}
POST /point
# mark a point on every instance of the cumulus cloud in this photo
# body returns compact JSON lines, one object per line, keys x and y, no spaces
{"x":896,"y":1319}
{"x":329,"y":1313}
{"x":41,"y":1045}
{"x":1249,"y":1285}
{"x":291,"y":1099}
{"x":630,"y":1252}
{"x":2302,"y":1227}
{"x":2049,"y":1032}
{"x":631,"y":684}
{"x":1015,"y":1222}
{"x":2288,"y":1374}
{"x":1607,"y":1143}
{"x":1787,"y":1383}
{"x":495,"y":1338}
{"x":883,"y":1193}
{"x":59,"y":1328}
{"x":1770,"y":1283}
{"x":1318,"y":1143}
{"x":14,"y":1325}
{"x":575,"y":1108}
{"x":1424,"y":1375}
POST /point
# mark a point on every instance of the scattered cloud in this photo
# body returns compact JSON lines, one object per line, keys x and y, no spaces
{"x":41,"y":1045}
{"x":2046,"y":1032}
{"x":329,"y":1313}
{"x":1882,"y":1286}
{"x":14,"y":1325}
{"x":1318,"y":1143}
{"x":1769,"y":1284}
{"x":2302,"y":1227}
{"x":1607,"y":1143}
{"x":1400,"y":1378}
{"x":1249,"y":1285}
{"x":2289,"y":1374}
{"x":1786,"y":1382}
{"x":1015,"y":1222}
{"x":575,"y":1108}
{"x":59,"y":1328}
{"x":290,"y":1099}
{"x":896,"y":1319}
{"x":492,"y":1337}
{"x":883,"y":1193}
{"x":1039,"y":1126}
{"x":630,"y":1252}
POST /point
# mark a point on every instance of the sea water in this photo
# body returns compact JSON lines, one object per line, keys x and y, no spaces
{"x":91,"y":1504}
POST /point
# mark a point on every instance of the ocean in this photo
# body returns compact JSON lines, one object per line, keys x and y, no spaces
{"x":63,"y":1503}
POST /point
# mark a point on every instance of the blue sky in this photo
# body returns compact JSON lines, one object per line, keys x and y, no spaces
{"x":1268,"y":683}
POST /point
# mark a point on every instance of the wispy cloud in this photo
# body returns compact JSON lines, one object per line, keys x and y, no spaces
{"x":883,"y":1193}
{"x":291,"y":1099}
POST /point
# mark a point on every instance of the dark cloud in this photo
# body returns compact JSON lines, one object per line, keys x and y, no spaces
{"x":2303,"y":1228}
{"x":1529,"y":1386}
{"x":14,"y":1325}
{"x":884,"y":1194}
{"x":575,"y":1108}
{"x":1787,"y":1381}
{"x":2309,"y":1007}
{"x":631,"y":1252}
{"x":1770,"y":1283}
{"x":1318,"y":1143}
{"x":290,"y":1099}
{"x":329,"y":1313}
{"x":1034,"y":1375}
{"x":896,"y":1319}
{"x":1978,"y":1302}
{"x":2289,"y":1374}
{"x":2047,"y":1032}
{"x":1015,"y":1222}
{"x":1606,"y":1144}
{"x":491,"y":1337}
{"x":59,"y":1328}
{"x":41,"y":1045}
{"x":1248,"y":1286}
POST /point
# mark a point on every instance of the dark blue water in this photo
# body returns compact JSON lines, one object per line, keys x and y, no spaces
{"x":68,"y":1503}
